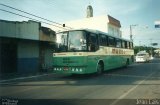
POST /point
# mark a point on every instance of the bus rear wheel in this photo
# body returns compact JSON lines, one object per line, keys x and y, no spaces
{"x":99,"y":68}
{"x":127,"y":63}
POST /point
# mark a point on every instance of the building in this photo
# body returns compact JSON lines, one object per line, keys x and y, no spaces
{"x":104,"y":23}
{"x":25,"y":46}
{"x":157,"y":24}
{"x":89,"y":11}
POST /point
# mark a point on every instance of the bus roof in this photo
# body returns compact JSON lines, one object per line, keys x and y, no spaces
{"x":96,"y":32}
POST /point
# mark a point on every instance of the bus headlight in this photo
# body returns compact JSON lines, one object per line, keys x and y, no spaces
{"x":72,"y":69}
{"x":76,"y":69}
{"x":80,"y":69}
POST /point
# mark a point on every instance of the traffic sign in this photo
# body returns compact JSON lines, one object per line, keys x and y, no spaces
{"x":157,"y":24}
{"x":154,"y":44}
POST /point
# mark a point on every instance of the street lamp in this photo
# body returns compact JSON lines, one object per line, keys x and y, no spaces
{"x":131,"y":26}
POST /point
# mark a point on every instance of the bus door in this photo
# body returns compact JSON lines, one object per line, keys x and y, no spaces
{"x":111,"y":58}
{"x":93,"y":46}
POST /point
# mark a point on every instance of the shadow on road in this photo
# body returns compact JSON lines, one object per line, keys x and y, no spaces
{"x":122,"y":76}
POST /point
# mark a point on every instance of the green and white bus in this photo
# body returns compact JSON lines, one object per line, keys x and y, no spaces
{"x":86,"y":51}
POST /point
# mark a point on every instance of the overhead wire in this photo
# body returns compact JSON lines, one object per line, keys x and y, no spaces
{"x":31,"y":18}
{"x":35,"y":16}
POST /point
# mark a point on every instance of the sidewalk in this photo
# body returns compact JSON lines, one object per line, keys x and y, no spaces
{"x":9,"y":76}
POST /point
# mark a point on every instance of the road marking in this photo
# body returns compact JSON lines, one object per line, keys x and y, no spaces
{"x":24,"y":77}
{"x":130,"y":90}
{"x":136,"y":64}
{"x":20,"y":91}
{"x":134,"y":76}
{"x":154,"y":63}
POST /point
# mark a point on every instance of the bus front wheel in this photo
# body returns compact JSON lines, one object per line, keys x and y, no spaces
{"x":127,"y":63}
{"x":99,"y":68}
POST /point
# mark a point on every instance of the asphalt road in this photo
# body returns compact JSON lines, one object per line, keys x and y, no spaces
{"x":137,"y":81}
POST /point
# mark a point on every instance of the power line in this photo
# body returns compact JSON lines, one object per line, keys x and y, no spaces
{"x":33,"y":15}
{"x":31,"y":18}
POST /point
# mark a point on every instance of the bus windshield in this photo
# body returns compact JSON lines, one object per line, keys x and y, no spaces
{"x":71,"y":41}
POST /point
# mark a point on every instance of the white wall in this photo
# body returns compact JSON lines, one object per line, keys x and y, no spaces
{"x":97,"y":23}
{"x":115,"y":31}
{"x":100,"y":23}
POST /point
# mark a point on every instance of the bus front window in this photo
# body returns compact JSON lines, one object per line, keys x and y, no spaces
{"x":71,"y":41}
{"x":77,"y":41}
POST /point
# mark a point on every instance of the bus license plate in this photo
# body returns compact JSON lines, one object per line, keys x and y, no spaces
{"x":65,"y":68}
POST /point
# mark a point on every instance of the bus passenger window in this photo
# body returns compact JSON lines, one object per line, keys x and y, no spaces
{"x":123,"y":44}
{"x":106,"y":40}
{"x":131,"y":45}
{"x":111,"y":41}
{"x":126,"y":45}
{"x":92,"y":42}
{"x":118,"y":43}
{"x":102,"y":40}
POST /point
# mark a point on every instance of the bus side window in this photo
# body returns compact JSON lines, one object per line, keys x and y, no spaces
{"x":123,"y":44}
{"x":131,"y":45}
{"x":107,"y":41}
{"x":92,"y":42}
{"x":118,"y":43}
{"x":126,"y":45}
{"x":111,"y":41}
{"x":102,"y":40}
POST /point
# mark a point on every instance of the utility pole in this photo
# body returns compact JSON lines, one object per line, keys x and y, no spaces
{"x":131,"y":35}
{"x":151,"y":47}
{"x":139,"y":45}
{"x":131,"y":32}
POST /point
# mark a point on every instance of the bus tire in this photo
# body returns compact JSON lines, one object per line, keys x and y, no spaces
{"x":100,"y":68}
{"x":127,"y":63}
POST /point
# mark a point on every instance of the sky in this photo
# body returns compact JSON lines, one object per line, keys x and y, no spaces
{"x":142,"y":13}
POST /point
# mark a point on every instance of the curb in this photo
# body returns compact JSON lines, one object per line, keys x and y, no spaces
{"x":27,"y":77}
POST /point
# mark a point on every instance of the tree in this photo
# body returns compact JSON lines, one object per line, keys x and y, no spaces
{"x":149,"y":50}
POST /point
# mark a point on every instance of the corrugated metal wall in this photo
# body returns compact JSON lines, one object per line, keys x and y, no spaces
{"x":28,"y":56}
{"x":24,"y":30}
{"x":46,"y":56}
